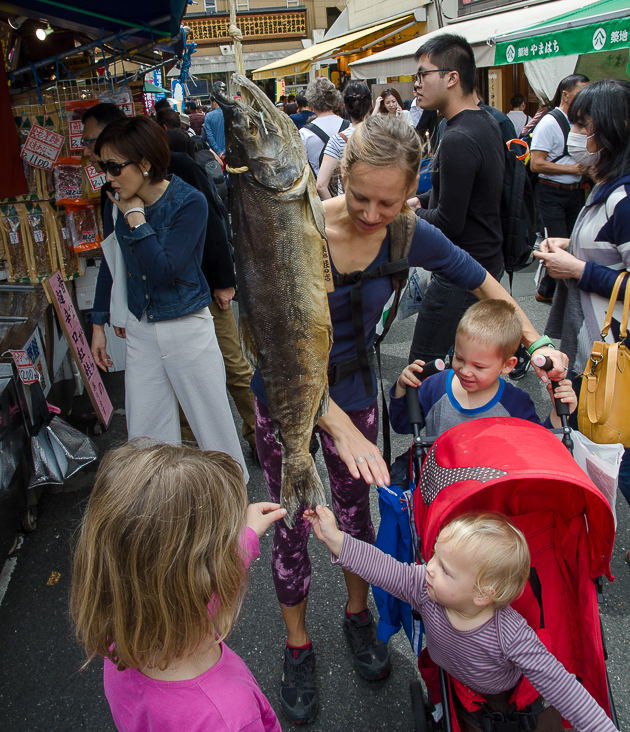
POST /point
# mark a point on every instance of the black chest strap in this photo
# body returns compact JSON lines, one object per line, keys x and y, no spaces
{"x":399,"y":270}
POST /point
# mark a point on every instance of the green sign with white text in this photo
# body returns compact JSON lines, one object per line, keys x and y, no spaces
{"x":608,"y":36}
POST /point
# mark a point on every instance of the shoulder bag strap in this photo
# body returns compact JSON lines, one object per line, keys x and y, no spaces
{"x":613,"y":302}
{"x":564,"y":125}
{"x":609,"y":383}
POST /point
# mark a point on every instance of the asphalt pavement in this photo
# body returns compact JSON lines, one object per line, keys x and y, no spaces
{"x":43,"y":686}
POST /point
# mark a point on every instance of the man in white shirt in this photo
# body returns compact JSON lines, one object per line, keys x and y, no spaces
{"x":558,"y":195}
{"x":517,"y":114}
{"x":323,"y":98}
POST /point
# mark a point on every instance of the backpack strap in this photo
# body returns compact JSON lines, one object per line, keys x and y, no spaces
{"x":564,"y":125}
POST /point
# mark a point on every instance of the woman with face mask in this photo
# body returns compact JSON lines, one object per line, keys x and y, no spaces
{"x":587,"y":265}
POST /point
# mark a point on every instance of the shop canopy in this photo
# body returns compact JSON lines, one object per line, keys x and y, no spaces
{"x":300,"y":62}
{"x":602,"y":26}
{"x":399,"y":60}
{"x":150,"y":88}
{"x":157,"y":18}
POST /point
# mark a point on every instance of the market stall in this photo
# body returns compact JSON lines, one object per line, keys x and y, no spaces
{"x":51,"y":225}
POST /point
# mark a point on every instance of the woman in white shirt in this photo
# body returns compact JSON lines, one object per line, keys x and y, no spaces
{"x":391,"y":104}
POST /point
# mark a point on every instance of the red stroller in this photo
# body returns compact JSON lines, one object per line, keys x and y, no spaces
{"x":523,"y":471}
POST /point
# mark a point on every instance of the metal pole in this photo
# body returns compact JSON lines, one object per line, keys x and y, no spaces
{"x":85,"y":47}
{"x":237,"y":37}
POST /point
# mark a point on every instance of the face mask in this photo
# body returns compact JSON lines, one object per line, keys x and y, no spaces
{"x":576,"y":146}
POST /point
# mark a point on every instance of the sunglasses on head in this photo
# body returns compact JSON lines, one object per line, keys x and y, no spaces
{"x":113,"y":168}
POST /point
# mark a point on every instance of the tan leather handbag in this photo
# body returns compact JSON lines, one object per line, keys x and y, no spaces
{"x":604,"y":407}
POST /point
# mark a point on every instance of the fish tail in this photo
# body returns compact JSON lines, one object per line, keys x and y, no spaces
{"x":301,"y":486}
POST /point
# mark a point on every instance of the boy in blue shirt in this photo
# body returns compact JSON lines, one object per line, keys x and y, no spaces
{"x":486,"y":341}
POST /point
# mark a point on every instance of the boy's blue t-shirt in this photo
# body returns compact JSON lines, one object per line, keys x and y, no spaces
{"x":441,"y":410}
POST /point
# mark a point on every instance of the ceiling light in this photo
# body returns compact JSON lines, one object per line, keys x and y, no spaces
{"x":16,"y":21}
{"x":43,"y":33}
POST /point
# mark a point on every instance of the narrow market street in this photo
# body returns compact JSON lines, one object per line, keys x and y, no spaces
{"x":42,"y":685}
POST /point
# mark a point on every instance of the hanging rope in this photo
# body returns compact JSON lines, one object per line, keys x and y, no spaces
{"x":237,"y":37}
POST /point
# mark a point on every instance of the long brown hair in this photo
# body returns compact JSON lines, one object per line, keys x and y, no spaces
{"x":159,"y":542}
{"x":389,"y":93}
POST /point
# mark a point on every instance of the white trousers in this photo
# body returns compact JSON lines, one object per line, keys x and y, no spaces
{"x":178,"y":361}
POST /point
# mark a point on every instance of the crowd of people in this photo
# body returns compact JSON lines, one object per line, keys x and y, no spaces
{"x":168,"y":536}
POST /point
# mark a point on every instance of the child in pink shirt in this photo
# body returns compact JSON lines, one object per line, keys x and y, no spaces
{"x":159,"y":575}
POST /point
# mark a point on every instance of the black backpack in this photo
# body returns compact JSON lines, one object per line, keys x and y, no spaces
{"x":214,"y":171}
{"x":323,"y":136}
{"x":517,"y":215}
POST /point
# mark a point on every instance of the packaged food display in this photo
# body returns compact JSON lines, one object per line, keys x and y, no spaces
{"x":83,"y":227}
{"x":15,"y":244}
{"x":67,"y":258}
{"x":68,"y":181}
{"x":44,"y":255}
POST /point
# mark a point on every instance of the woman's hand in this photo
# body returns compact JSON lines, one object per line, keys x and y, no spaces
{"x":399,"y":111}
{"x":224,"y":297}
{"x":260,"y":516}
{"x":99,"y":347}
{"x":414,"y":202}
{"x":407,"y":378}
{"x":124,"y":204}
{"x":563,"y":391}
{"x":557,"y":240}
{"x":377,"y":106}
{"x":560,"y":264}
{"x":323,"y":521}
{"x":120,"y":332}
{"x":560,"y":364}
{"x":360,"y":455}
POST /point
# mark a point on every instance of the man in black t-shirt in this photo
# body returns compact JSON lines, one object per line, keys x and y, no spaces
{"x":467,"y":180}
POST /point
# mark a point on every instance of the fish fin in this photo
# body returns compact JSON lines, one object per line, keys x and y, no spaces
{"x":323,"y":406}
{"x":301,"y":486}
{"x":247,"y":342}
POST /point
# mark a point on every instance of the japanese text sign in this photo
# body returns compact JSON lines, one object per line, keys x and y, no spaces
{"x":96,"y":178}
{"x":58,"y":294}
{"x":28,"y":373}
{"x":42,"y":147}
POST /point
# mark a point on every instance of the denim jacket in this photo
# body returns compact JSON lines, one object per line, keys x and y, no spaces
{"x":163,"y":258}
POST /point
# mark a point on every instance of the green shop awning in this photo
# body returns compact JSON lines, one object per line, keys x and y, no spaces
{"x":150,"y":88}
{"x":602,"y":26}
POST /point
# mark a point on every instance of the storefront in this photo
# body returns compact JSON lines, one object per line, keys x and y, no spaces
{"x":50,"y":220}
{"x":497,"y":82}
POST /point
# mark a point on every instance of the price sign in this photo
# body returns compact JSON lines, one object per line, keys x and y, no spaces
{"x":58,"y":294}
{"x":42,"y":147}
{"x":76,"y":135}
{"x":127,"y":108}
{"x":96,"y":178}
{"x":28,"y":373}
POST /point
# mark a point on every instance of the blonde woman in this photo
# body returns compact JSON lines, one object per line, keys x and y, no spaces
{"x":379,"y":171}
{"x":158,"y":582}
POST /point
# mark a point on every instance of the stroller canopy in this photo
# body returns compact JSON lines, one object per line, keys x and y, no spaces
{"x":514,"y":467}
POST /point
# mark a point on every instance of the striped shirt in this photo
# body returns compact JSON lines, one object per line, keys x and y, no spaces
{"x":489,"y":659}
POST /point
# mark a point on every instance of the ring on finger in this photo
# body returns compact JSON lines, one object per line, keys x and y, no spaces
{"x":359,"y":459}
{"x":371,"y":456}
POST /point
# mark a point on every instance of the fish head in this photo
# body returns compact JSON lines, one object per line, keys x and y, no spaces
{"x":261,"y":138}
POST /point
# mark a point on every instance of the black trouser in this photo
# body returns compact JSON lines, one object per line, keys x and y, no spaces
{"x":558,"y":211}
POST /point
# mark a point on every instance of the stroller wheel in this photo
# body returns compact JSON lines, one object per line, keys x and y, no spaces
{"x":418,"y":708}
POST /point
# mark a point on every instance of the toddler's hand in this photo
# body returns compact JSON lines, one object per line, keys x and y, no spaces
{"x":564,"y":391}
{"x":323,"y":521}
{"x":260,"y":516}
{"x":408,"y":378}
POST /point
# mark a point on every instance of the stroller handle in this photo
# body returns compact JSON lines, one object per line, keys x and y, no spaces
{"x":411,"y":395}
{"x":562,"y":409}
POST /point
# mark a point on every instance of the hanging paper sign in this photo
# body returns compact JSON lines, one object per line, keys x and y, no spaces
{"x":76,"y":135}
{"x":28,"y":373}
{"x":127,"y":108}
{"x":35,"y":351}
{"x":96,"y":178}
{"x":58,"y":294}
{"x":42,"y":147}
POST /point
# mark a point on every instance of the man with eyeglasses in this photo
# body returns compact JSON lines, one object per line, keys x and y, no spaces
{"x":425,"y":121}
{"x":467,"y":182}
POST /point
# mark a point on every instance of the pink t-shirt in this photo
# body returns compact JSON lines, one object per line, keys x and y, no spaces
{"x":226,"y":698}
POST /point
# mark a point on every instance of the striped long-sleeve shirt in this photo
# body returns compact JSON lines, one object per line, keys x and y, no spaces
{"x":489,"y":659}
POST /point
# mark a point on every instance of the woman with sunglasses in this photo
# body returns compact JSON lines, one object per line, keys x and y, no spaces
{"x":172,"y":353}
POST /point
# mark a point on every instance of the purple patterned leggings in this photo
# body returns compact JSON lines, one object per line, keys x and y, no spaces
{"x":290,"y":563}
